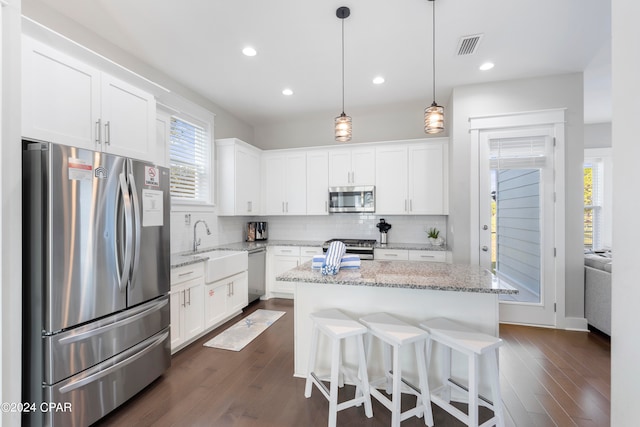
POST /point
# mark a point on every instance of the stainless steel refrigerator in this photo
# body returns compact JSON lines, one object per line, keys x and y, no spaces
{"x":96,"y":279}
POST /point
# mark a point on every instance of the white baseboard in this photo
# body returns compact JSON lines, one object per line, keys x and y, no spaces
{"x":575,"y":324}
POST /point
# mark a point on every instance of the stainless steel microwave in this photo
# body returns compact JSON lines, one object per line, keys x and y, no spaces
{"x":352,"y":199}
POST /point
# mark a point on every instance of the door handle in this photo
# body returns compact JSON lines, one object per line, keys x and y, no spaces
{"x":485,"y":249}
{"x":107,"y":133}
{"x":138,"y":225}
{"x":99,"y":131}
{"x":485,"y":227}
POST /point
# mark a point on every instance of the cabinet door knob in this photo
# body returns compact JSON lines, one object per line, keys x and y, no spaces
{"x":485,"y":249}
{"x":485,"y":227}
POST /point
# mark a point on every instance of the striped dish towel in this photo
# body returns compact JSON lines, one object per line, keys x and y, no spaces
{"x":347,"y":261}
{"x":332,"y":259}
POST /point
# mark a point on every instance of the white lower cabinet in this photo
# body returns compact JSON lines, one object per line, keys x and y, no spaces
{"x":281,"y":259}
{"x":225,"y":298}
{"x":198,"y":307}
{"x":215,"y":303}
{"x":187,"y":304}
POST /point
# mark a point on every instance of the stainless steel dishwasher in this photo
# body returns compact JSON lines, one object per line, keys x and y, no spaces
{"x":256,"y":273}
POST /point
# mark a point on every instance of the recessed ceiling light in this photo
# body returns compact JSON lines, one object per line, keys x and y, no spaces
{"x":486,"y":66}
{"x":249,"y":51}
{"x":378,"y":80}
{"x":287,"y":92}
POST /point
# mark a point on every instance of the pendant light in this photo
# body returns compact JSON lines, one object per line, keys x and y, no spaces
{"x":343,"y":122}
{"x":434,"y":114}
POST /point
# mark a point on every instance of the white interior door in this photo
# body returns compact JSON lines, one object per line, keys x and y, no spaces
{"x":516,"y":219}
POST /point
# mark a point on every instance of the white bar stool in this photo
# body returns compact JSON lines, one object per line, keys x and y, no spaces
{"x":338,"y":326}
{"x":473,"y":344}
{"x":395,"y":333}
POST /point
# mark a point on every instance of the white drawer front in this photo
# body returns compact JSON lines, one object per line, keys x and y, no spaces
{"x":286,"y":250}
{"x":433,"y":256}
{"x":310,"y":251}
{"x":391,"y":254}
{"x":187,"y":272}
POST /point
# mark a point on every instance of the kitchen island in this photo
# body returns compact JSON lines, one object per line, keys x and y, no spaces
{"x":410,"y":290}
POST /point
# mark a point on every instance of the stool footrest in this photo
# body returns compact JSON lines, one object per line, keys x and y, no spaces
{"x":418,"y":411}
{"x":436,"y":398}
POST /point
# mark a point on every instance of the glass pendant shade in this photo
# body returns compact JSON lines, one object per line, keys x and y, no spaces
{"x":343,"y":128}
{"x":434,"y":118}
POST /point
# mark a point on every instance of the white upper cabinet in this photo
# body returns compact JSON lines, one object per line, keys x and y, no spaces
{"x":411,"y":179}
{"x":69,"y":102}
{"x":428,"y":178}
{"x":285,"y":178}
{"x":317,"y":182}
{"x":60,"y":97}
{"x":348,"y":167}
{"x":128,"y":121}
{"x":238,"y":177}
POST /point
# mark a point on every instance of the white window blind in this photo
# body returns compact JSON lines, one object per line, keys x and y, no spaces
{"x":516,"y":153}
{"x":189,"y":158}
{"x":593,"y":206}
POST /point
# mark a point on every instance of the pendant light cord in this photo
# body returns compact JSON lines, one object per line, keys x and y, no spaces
{"x":342,"y":66}
{"x":434,"y":50}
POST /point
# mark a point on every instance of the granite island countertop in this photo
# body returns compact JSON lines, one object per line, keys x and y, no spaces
{"x":408,"y":275}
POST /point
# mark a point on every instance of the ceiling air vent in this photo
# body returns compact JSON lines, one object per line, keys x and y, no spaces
{"x":469,"y":44}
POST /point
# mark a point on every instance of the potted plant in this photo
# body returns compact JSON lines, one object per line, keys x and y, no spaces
{"x":434,"y":236}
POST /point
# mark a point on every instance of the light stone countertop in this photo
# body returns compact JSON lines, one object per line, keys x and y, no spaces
{"x":407,"y":274}
{"x":186,"y":258}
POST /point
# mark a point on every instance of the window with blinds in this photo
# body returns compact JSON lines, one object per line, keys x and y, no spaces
{"x":515,"y":153}
{"x":593,"y":198}
{"x":190,"y":162}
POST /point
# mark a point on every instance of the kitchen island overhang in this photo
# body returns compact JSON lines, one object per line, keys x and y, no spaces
{"x":413,"y":291}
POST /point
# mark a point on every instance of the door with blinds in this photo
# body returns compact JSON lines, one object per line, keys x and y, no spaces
{"x":516,"y":169}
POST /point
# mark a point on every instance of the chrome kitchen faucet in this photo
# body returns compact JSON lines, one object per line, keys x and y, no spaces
{"x":196,"y":242}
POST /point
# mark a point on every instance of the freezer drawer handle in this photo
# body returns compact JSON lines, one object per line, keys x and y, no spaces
{"x":84,"y":335}
{"x":137,"y":354}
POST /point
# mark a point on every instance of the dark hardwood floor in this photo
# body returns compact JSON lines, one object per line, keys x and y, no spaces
{"x":548,"y":377}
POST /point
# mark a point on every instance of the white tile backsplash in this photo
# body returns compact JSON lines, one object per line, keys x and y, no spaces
{"x":405,"y":229}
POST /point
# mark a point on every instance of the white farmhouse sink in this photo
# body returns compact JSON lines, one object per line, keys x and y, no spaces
{"x":223,"y":264}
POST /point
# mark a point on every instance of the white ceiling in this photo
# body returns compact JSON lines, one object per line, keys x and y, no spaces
{"x":199,"y":43}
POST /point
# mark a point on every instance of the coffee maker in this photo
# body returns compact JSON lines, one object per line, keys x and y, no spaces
{"x":257,"y":231}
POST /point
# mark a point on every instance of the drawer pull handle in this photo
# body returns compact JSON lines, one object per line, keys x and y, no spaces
{"x":185,"y":274}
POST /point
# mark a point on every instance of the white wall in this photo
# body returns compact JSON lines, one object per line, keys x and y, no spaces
{"x":597,"y":135}
{"x":559,"y":91}
{"x":385,"y":123}
{"x":625,"y":339}
{"x":10,"y":215}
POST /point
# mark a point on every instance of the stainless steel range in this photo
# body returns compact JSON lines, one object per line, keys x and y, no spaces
{"x":360,"y":247}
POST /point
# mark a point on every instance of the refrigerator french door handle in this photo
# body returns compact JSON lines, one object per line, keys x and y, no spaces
{"x":138,"y":223}
{"x":124,"y":274}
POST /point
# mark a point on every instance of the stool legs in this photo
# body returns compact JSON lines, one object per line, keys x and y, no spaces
{"x":364,"y":378}
{"x":424,"y":385}
{"x":495,"y":388}
{"x":335,"y":376}
{"x":312,"y":361}
{"x":336,"y":379}
{"x":473,"y":391}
